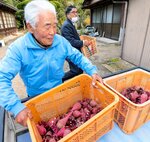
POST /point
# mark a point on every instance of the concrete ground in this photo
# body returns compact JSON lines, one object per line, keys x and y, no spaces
{"x":107,"y":60}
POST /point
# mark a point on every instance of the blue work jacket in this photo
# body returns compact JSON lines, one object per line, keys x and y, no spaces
{"x":39,"y":69}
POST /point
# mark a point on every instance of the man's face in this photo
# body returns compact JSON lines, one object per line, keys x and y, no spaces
{"x":73,"y":13}
{"x":45,"y":28}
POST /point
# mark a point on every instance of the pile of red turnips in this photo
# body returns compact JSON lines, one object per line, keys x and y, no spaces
{"x":58,"y":127}
{"x":136,"y":94}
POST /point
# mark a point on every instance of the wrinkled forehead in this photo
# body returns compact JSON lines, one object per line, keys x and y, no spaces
{"x":47,"y":16}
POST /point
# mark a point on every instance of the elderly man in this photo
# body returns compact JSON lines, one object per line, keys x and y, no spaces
{"x":38,"y":57}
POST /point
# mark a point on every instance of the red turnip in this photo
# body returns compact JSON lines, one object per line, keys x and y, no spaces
{"x":52,"y":140}
{"x":60,"y":133}
{"x":76,"y":106}
{"x":62,"y":122}
{"x":136,"y":94}
{"x":76,"y":113}
{"x":52,"y":122}
{"x":93,"y":103}
{"x":86,"y":110}
{"x":84,"y":104}
{"x":41,"y":129}
{"x":133,"y":96}
{"x":66,"y":132}
{"x":144,"y":98}
{"x":58,"y":127}
{"x":94,"y":110}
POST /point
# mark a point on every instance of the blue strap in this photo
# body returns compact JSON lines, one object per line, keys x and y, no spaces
{"x":2,"y":121}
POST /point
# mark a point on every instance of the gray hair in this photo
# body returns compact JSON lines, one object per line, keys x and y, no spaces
{"x":33,"y":9}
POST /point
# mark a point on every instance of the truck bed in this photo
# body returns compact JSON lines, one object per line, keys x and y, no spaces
{"x":117,"y":135}
{"x":18,"y":133}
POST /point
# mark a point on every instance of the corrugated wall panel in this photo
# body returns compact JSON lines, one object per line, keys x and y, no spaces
{"x":145,"y":60}
{"x":136,"y":26}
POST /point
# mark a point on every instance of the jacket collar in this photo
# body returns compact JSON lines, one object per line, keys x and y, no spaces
{"x":30,"y":42}
{"x":70,"y":21}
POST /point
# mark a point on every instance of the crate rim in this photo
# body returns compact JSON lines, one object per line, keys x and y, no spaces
{"x":127,"y":70}
{"x":70,"y":80}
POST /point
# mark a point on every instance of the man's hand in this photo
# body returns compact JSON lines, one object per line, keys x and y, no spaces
{"x":86,"y":43}
{"x":96,"y":77}
{"x":21,"y":118}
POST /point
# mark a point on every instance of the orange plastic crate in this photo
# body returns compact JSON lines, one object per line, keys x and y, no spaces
{"x":128,"y":115}
{"x":58,"y":100}
{"x":91,"y":49}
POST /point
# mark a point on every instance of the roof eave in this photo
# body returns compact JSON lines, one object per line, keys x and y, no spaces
{"x":87,"y":4}
{"x":8,"y":6}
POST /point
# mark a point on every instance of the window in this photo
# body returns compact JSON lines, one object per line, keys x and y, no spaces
{"x":109,"y":13}
{"x":94,"y":15}
{"x":4,"y":18}
{"x":117,"y":14}
{"x":1,"y":23}
{"x":12,"y":21}
{"x":98,"y":15}
{"x":9,"y":20}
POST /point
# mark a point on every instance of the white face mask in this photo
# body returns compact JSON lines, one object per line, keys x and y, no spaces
{"x":74,"y":19}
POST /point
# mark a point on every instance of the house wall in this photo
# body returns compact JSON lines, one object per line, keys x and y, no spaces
{"x":136,"y":46}
{"x":7,"y":23}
